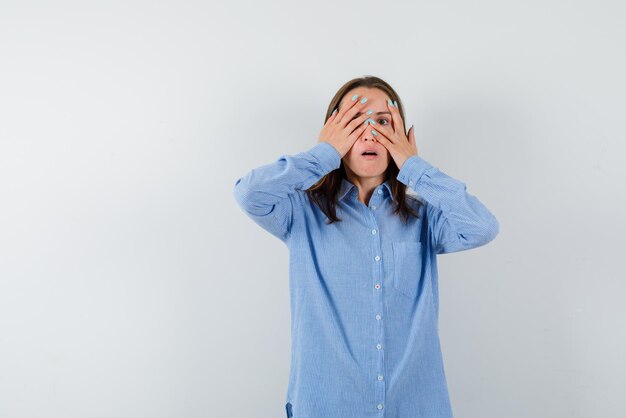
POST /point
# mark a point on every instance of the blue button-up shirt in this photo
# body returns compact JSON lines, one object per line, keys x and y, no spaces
{"x":364,"y":291}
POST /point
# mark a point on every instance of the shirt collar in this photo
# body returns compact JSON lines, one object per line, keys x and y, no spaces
{"x":346,"y":186}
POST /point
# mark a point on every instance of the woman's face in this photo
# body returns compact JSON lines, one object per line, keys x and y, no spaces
{"x":354,"y":161}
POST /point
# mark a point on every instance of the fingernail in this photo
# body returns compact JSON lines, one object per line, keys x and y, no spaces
{"x":390,"y":102}
{"x":395,"y":103}
{"x":334,"y":111}
{"x":363,"y":100}
{"x":374,"y":132}
{"x":371,"y":121}
{"x":354,"y":97}
{"x":369,"y":112}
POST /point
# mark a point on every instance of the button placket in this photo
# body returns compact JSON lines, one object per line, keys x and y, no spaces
{"x":378,"y":306}
{"x":374,"y":199}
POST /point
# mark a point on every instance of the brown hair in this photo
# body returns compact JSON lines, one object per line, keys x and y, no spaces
{"x":324,"y":192}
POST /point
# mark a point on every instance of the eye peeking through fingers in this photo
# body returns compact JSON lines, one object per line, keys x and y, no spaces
{"x":382,"y":121}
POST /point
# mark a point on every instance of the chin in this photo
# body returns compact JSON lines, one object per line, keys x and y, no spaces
{"x":367,"y":168}
{"x":370,"y":172}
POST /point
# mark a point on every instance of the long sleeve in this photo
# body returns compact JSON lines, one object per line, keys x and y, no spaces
{"x":266,"y":192}
{"x":457,"y":220}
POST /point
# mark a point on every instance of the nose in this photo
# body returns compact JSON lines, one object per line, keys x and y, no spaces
{"x":367,"y":136}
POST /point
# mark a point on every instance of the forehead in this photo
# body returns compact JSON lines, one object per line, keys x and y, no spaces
{"x":372,"y":94}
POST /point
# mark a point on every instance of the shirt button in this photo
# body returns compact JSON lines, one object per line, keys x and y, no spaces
{"x":377,"y":286}
{"x":377,"y":258}
{"x":378,"y":317}
{"x":373,"y":232}
{"x":410,"y":182}
{"x":373,"y":206}
{"x":380,"y":377}
{"x":379,"y":406}
{"x":380,"y":191}
{"x":379,"y":346}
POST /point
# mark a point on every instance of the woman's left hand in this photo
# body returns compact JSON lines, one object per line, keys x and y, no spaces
{"x":392,"y":137}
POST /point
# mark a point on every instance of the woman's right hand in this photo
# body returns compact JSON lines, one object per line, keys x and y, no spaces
{"x":341,"y":131}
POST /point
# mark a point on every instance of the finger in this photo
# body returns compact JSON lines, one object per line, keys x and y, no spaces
{"x":386,"y":130}
{"x":332,"y":117}
{"x":395,"y":115}
{"x":355,"y":105}
{"x":381,"y":137}
{"x":412,"y":135}
{"x":358,"y":120}
{"x":346,"y":107}
{"x":357,"y":132}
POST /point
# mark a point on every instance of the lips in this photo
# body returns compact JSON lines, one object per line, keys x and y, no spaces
{"x":369,"y":152}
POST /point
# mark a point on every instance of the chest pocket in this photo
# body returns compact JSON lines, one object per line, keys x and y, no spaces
{"x":407,"y":267}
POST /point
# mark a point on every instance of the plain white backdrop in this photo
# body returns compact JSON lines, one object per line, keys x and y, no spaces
{"x":131,"y":284}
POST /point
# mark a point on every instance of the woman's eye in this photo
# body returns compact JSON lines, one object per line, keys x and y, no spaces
{"x":383,"y":120}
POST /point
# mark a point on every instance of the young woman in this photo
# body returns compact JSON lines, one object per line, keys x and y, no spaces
{"x":363,"y":271}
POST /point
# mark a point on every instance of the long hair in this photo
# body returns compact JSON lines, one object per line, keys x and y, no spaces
{"x":324,"y":192}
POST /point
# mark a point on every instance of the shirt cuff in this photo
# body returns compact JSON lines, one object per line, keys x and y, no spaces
{"x":412,"y":170}
{"x":327,"y":155}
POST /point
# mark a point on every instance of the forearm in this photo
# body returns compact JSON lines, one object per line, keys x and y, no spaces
{"x":459,"y":219}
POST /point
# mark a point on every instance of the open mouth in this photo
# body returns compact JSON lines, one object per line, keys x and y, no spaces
{"x":370,"y":155}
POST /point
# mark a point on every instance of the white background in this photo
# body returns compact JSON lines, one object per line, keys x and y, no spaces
{"x":131,"y":284}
